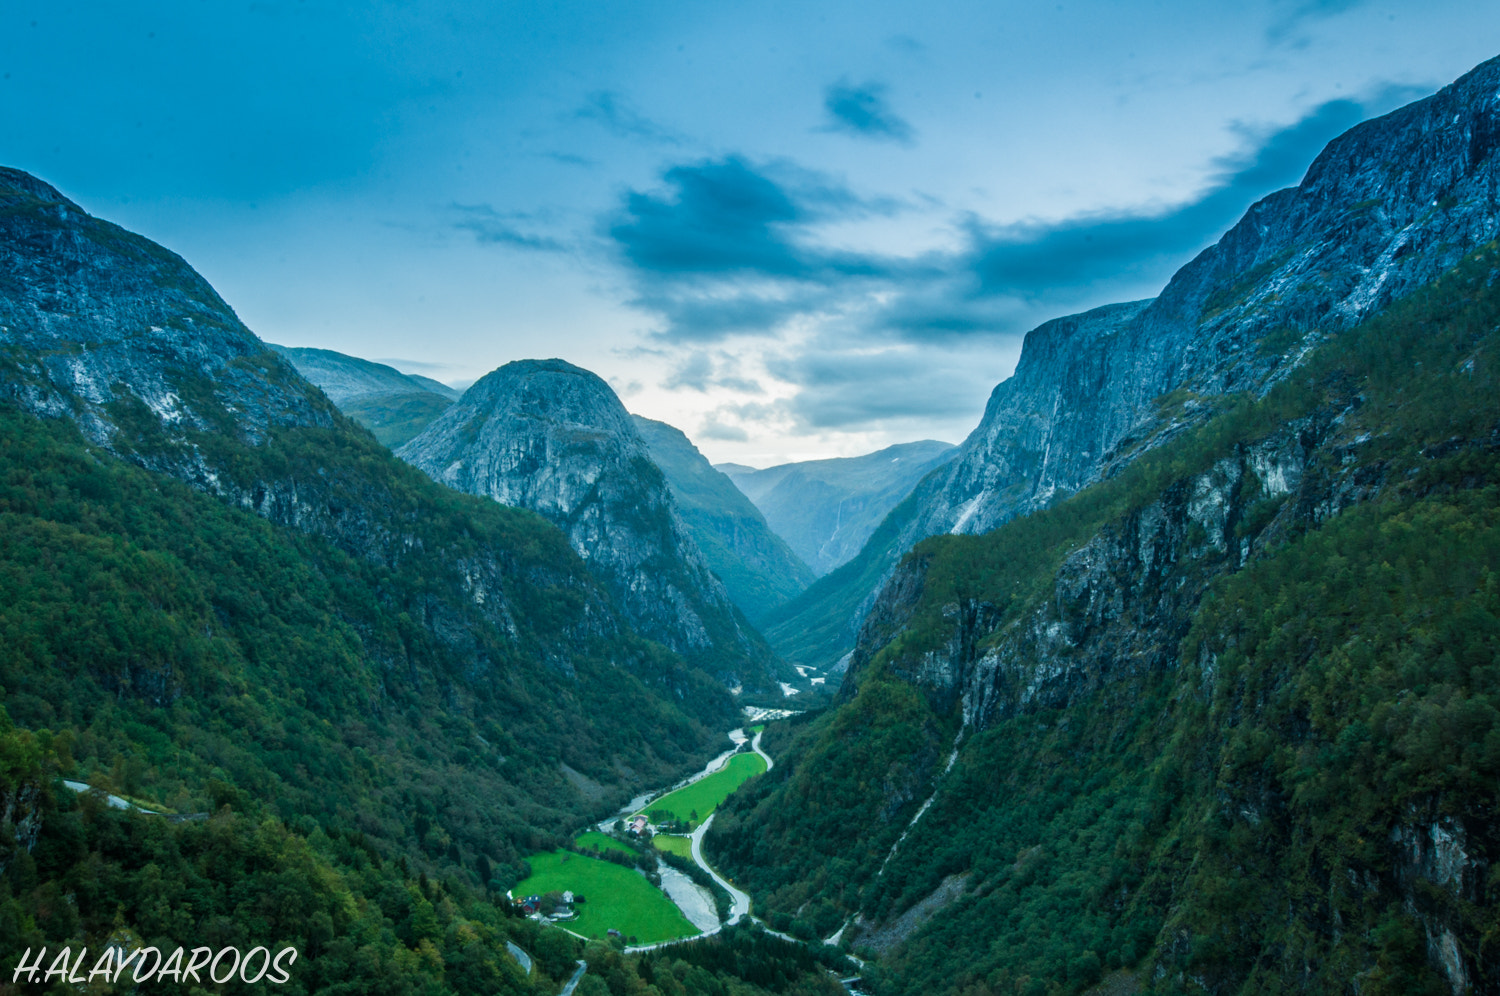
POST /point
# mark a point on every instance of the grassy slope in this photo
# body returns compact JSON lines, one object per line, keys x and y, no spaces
{"x":673,"y":844}
{"x":617,"y":898}
{"x":1355,"y":689}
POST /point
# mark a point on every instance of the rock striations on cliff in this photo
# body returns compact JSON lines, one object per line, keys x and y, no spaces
{"x":444,"y":609}
{"x":1207,"y":634}
{"x":1385,"y":208}
{"x":552,"y":437}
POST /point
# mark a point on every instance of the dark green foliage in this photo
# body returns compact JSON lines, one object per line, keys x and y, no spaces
{"x":744,"y":953}
{"x":182,"y":641}
{"x":1254,"y":818}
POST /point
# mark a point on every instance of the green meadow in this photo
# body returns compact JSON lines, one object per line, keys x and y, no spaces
{"x":705,"y":795}
{"x":594,"y":840}
{"x":615,"y":897}
{"x":674,"y":844}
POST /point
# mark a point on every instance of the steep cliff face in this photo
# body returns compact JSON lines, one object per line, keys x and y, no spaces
{"x":1226,"y":719}
{"x":757,"y":567}
{"x":103,"y":325}
{"x":376,"y":610}
{"x":551,"y":437}
{"x":1385,"y":208}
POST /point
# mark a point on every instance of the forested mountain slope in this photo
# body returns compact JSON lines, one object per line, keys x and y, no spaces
{"x":1228,"y":721}
{"x":218,"y":591}
{"x":1385,"y":208}
{"x":757,"y":567}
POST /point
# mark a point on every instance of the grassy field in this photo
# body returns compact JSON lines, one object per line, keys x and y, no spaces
{"x":603,"y":841}
{"x":617,"y":897}
{"x":703,"y":797}
{"x":674,"y":843}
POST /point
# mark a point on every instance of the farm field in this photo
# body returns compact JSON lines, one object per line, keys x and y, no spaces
{"x":615,"y":897}
{"x":603,"y":841}
{"x":704,"y":796}
{"x":674,"y":843}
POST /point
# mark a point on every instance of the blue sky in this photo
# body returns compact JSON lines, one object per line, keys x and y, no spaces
{"x":792,"y":229}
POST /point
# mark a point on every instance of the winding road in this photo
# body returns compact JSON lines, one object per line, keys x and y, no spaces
{"x":567,"y":990}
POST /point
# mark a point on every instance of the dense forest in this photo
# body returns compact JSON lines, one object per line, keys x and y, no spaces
{"x":361,"y":923}
{"x":1285,"y":783}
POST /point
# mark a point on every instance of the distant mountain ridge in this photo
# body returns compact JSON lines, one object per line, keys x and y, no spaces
{"x":552,"y":437}
{"x":1386,"y":207}
{"x":393,"y":405}
{"x":342,"y":376}
{"x":757,"y":567}
{"x":827,"y":509}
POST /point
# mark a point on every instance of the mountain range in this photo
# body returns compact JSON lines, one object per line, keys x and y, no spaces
{"x":827,"y":509}
{"x":1180,"y":676}
{"x":392,"y":405}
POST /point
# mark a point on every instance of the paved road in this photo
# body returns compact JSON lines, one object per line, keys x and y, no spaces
{"x":567,"y":990}
{"x":740,"y":908}
{"x":519,"y":955}
{"x":755,"y":746}
{"x":115,"y":801}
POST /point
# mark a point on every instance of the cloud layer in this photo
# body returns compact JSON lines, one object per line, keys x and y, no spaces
{"x":728,"y":251}
{"x":864,"y":112}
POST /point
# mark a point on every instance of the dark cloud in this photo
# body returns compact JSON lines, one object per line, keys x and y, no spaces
{"x":700,"y":372}
{"x":491,"y":227}
{"x":727,"y":248}
{"x":705,"y":315}
{"x":725,"y":216}
{"x":1060,"y":260}
{"x":609,"y":109}
{"x":863,"y":111}
{"x":695,"y":372}
{"x":715,"y":429}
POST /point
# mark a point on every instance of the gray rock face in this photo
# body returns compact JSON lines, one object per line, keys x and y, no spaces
{"x":105,"y":326}
{"x":1386,"y":207}
{"x":551,"y":437}
{"x":1123,"y":600}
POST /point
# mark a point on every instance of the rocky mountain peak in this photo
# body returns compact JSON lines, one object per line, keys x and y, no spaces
{"x":109,"y":328}
{"x":554,"y":438}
